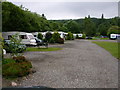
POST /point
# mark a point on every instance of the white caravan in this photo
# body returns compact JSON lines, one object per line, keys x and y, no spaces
{"x":114,"y":36}
{"x":27,"y":38}
{"x":62,"y":34}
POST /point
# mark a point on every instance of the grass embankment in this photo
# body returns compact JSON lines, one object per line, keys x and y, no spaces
{"x":112,"y":47}
{"x":43,"y":49}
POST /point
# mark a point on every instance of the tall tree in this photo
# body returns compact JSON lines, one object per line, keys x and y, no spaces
{"x":89,"y":27}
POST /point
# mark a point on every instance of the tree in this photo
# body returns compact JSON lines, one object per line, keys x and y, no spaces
{"x":56,"y":37}
{"x":15,"y":42}
{"x":113,"y":30}
{"x":70,"y":36}
{"x":102,"y":17}
{"x":73,"y":26}
{"x":89,"y":27}
{"x":103,"y":28}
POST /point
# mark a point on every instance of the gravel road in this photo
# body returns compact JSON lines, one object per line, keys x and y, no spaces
{"x":80,"y":64}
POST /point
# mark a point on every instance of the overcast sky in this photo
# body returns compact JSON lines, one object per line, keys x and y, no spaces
{"x":71,"y":10}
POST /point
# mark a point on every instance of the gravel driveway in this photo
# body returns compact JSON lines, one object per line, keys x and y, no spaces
{"x":81,"y":64}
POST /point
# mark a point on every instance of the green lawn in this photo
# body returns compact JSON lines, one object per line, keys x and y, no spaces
{"x":43,"y":49}
{"x":111,"y":47}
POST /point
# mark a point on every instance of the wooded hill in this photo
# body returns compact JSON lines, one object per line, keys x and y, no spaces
{"x":19,"y":18}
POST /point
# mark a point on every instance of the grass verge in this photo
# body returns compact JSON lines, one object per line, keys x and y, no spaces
{"x":112,"y":47}
{"x":43,"y":49}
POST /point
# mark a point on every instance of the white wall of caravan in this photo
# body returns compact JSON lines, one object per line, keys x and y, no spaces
{"x":115,"y":36}
{"x":27,"y":40}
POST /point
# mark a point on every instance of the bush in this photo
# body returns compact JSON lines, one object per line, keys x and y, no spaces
{"x":84,"y":36}
{"x":56,"y":37}
{"x":14,"y":70}
{"x":48,"y":36}
{"x":40,"y":36}
{"x":19,"y":59}
{"x":7,"y":60}
{"x":16,"y":67}
{"x":70,"y":36}
{"x":52,"y":40}
{"x":11,"y":70}
{"x":61,"y":41}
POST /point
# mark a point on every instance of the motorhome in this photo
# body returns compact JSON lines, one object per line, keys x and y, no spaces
{"x":114,"y":36}
{"x":27,"y":38}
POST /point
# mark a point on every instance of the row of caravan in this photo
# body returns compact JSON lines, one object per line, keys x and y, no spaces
{"x":28,"y":38}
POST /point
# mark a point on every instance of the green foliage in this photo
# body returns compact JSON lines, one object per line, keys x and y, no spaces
{"x":52,"y":40}
{"x":40,"y":36}
{"x":12,"y":68}
{"x":56,"y":37}
{"x":113,"y":30}
{"x":83,"y":36}
{"x":103,"y":28}
{"x":48,"y":36}
{"x":7,"y":60}
{"x":70,"y":36}
{"x":72,"y":26}
{"x":19,"y":59}
{"x":77,"y":37}
{"x":1,"y":45}
{"x":89,"y":27}
{"x":15,"y":41}
{"x":21,"y":19}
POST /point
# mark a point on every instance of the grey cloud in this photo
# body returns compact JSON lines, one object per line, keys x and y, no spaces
{"x":67,"y":10}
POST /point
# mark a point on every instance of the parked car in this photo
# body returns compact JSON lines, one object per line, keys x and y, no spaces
{"x":41,"y":42}
{"x":20,"y":47}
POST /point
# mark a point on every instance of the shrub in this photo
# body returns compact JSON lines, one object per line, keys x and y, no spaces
{"x":11,"y":70}
{"x":19,"y":59}
{"x":70,"y":36}
{"x":83,"y":36}
{"x":14,"y":70}
{"x":40,"y":36}
{"x":7,"y":60}
{"x":52,"y":40}
{"x":56,"y":37}
{"x":15,"y":41}
{"x":61,"y":41}
{"x":16,"y":67}
{"x":48,"y":36}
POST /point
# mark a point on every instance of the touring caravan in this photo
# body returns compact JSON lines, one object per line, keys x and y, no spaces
{"x":114,"y":36}
{"x":27,"y":38}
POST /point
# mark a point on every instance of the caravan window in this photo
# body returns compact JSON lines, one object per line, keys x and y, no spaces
{"x":35,"y":35}
{"x":23,"y":36}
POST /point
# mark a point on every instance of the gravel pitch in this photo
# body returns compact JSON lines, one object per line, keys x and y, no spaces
{"x":80,"y":64}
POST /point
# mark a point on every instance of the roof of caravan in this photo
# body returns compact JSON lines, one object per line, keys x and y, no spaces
{"x":14,"y":32}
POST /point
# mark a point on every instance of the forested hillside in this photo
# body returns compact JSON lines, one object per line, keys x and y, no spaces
{"x":18,"y":18}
